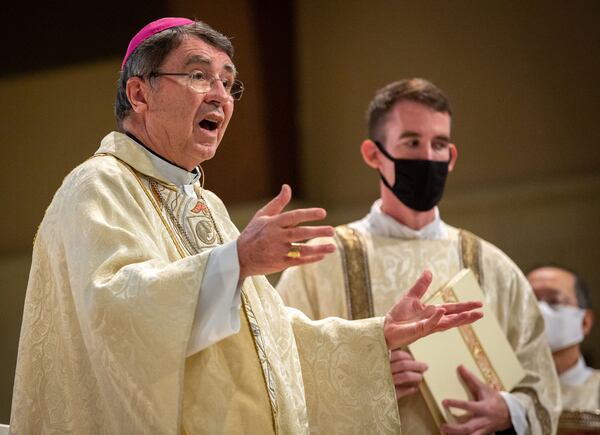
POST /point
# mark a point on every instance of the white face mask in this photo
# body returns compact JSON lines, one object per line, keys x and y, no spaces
{"x":564,"y":325}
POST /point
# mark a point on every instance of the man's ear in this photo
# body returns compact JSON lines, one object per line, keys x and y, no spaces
{"x":370,"y":153}
{"x":136,"y":91}
{"x":453,"y":157}
{"x":588,"y":322}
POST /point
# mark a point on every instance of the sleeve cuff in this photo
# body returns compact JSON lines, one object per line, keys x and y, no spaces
{"x":217,"y":312}
{"x":518,"y":416}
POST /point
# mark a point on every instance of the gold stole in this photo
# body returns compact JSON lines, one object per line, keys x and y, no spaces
{"x":356,"y":268}
{"x":360,"y":297}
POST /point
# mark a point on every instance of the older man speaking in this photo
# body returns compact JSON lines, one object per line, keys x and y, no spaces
{"x":146,"y":309}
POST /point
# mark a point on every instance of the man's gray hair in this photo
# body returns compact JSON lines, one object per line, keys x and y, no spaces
{"x":415,"y":89}
{"x":151,"y":53}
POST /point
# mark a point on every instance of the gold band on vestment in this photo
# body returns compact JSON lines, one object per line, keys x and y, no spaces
{"x":357,"y":276}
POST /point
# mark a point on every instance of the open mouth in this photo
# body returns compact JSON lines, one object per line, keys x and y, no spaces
{"x":209,"y":125}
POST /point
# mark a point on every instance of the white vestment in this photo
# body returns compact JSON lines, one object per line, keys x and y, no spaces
{"x":395,"y":257}
{"x":117,"y":269}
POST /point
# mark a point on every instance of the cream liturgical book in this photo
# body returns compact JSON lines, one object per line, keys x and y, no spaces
{"x":481,"y":348}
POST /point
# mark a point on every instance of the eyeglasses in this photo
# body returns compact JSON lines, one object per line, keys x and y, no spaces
{"x":202,"y":82}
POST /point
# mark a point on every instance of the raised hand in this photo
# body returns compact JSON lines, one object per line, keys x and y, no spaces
{"x":264,"y":244}
{"x":406,"y":373}
{"x":488,"y":413}
{"x":410,"y":319}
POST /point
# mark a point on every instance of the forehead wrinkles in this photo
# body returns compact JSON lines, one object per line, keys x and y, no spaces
{"x":208,"y":62}
{"x":195,"y":52}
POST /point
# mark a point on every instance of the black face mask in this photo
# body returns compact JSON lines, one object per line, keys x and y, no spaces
{"x":419,"y":184}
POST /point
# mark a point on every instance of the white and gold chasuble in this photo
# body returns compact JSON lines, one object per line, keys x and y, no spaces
{"x":117,"y":266}
{"x":392,"y":265}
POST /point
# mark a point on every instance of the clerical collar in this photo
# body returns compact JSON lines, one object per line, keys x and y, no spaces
{"x":381,"y":224}
{"x":169,"y":170}
{"x":577,"y":374}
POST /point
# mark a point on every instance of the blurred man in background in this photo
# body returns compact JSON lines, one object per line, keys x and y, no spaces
{"x":565,"y":303}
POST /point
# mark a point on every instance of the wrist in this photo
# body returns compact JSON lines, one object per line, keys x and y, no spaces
{"x":506,"y":422}
{"x":241,"y":255}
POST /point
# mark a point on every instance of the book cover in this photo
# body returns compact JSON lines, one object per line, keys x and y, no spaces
{"x":481,"y":347}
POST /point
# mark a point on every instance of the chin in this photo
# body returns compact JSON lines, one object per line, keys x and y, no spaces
{"x":205,"y":152}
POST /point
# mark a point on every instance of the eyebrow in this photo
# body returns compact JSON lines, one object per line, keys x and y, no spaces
{"x":412,"y":134}
{"x":205,"y":60}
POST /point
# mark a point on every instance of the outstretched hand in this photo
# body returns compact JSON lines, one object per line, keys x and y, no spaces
{"x":410,"y":319}
{"x":265,"y":242}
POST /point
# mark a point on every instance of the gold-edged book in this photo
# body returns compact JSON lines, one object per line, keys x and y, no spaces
{"x":481,"y":347}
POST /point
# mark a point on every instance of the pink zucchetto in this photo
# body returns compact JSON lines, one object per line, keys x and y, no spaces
{"x":152,"y":29}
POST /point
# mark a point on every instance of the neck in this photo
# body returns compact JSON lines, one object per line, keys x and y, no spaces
{"x":134,"y":127}
{"x":393,"y":207}
{"x":565,"y":359}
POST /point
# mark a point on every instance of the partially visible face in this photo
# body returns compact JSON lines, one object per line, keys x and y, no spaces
{"x":185,"y":126}
{"x":553,"y":285}
{"x":414,"y":131}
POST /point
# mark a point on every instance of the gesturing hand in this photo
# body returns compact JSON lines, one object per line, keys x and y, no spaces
{"x":263,"y":245}
{"x":406,"y":373}
{"x":410,"y":319}
{"x":488,"y":413}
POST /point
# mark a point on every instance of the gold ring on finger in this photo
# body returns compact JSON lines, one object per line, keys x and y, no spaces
{"x":294,"y":251}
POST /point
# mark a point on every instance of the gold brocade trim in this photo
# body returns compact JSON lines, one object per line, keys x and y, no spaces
{"x":355,"y":264}
{"x":541,"y":413}
{"x":262,"y":356}
{"x":579,"y":420}
{"x":212,"y":219}
{"x":157,"y":201}
{"x":477,"y":352}
{"x":188,"y":244}
{"x":470,"y":248}
{"x":152,"y":201}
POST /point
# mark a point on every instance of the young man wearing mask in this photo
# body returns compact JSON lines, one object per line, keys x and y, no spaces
{"x":409,"y":146}
{"x":565,"y":304}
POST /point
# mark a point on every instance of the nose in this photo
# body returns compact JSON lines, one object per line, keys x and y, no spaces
{"x":218,"y":93}
{"x":426,"y":152}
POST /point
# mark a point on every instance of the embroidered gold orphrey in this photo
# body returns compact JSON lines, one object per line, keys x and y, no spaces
{"x":358,"y":285}
{"x":195,"y":227}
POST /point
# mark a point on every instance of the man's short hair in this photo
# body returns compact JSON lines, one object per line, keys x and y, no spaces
{"x":152,"y":52}
{"x":418,"y":90}
{"x":582,"y":291}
